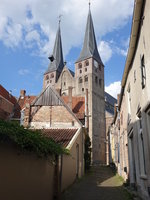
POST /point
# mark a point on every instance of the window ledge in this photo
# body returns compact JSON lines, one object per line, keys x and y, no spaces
{"x":143,"y":176}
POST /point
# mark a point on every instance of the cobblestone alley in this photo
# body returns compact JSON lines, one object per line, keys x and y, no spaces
{"x":99,"y":184}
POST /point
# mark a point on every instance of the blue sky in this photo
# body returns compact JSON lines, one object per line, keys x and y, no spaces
{"x":27,"y":34}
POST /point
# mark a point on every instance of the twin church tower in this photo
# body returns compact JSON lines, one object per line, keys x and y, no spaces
{"x":88,"y":78}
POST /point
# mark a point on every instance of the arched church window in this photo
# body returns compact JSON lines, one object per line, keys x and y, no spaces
{"x":79,"y":65}
{"x":47,"y":77}
{"x":80,"y":80}
{"x":86,"y":63}
{"x":52,"y":75}
{"x":86,"y":78}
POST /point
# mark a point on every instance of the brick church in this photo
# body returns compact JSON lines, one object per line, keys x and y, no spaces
{"x":87,"y":81}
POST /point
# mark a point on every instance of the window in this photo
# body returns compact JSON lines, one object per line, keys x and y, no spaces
{"x":95,"y":64}
{"x":64,"y":83}
{"x":80,"y":71}
{"x":143,"y":73}
{"x":141,"y":146}
{"x":129,"y":103}
{"x":96,"y":79}
{"x":134,"y":76}
{"x":100,"y":82}
{"x":100,"y":67}
{"x":82,"y":89}
{"x":50,"y":81}
{"x":86,"y":78}
{"x":52,"y":75}
{"x":80,"y":80}
{"x":79,"y":65}
{"x":47,"y":77}
{"x":86,"y":63}
{"x":85,"y":69}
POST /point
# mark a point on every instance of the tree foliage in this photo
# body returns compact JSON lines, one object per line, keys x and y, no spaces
{"x":87,"y":154}
{"x":29,"y":140}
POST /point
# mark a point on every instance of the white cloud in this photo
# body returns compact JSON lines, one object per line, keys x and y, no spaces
{"x":105,"y":51}
{"x":114,"y":88}
{"x":23,"y":72}
{"x":44,"y":18}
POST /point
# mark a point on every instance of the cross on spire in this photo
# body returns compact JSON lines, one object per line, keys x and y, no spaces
{"x":89,"y":3}
{"x":60,"y":16}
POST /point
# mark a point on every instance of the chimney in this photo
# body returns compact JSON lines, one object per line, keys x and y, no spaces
{"x":22,"y":93}
{"x":70,"y":97}
{"x":27,"y":114}
{"x":86,"y":110}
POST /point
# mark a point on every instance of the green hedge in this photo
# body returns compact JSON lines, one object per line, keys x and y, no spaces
{"x":29,"y":140}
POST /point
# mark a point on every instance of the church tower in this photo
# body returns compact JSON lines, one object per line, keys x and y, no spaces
{"x":56,"y":62}
{"x":89,"y":74}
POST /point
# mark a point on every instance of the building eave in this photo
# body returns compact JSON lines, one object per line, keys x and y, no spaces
{"x":134,"y":38}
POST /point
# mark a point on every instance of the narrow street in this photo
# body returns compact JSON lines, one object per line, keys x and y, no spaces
{"x":99,"y":184}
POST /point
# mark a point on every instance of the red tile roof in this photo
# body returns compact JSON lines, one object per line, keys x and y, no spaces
{"x":78,"y":105}
{"x":4,"y":93}
{"x":61,"y":136}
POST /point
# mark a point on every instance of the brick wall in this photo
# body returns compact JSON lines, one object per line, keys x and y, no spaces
{"x":53,"y":116}
{"x":6,"y":108}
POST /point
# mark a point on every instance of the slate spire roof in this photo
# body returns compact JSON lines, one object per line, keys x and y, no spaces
{"x":89,"y":47}
{"x":58,"y":62}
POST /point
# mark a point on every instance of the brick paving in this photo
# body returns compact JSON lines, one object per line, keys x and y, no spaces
{"x":99,"y":184}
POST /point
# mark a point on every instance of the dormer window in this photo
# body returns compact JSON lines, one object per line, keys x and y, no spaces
{"x":79,"y":65}
{"x":86,"y":63}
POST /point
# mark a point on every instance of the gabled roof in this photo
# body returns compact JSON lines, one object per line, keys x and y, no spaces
{"x":61,"y":136}
{"x":58,"y":62}
{"x":89,"y":47}
{"x":47,"y":98}
{"x":4,"y":93}
{"x":71,"y":72}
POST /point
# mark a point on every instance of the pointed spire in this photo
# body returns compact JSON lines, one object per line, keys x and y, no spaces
{"x":56,"y":59}
{"x":89,"y":47}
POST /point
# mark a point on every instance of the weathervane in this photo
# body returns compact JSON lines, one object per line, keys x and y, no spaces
{"x":60,"y":18}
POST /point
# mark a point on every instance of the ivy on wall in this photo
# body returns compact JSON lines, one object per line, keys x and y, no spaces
{"x":29,"y":140}
{"x":87,"y":153}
